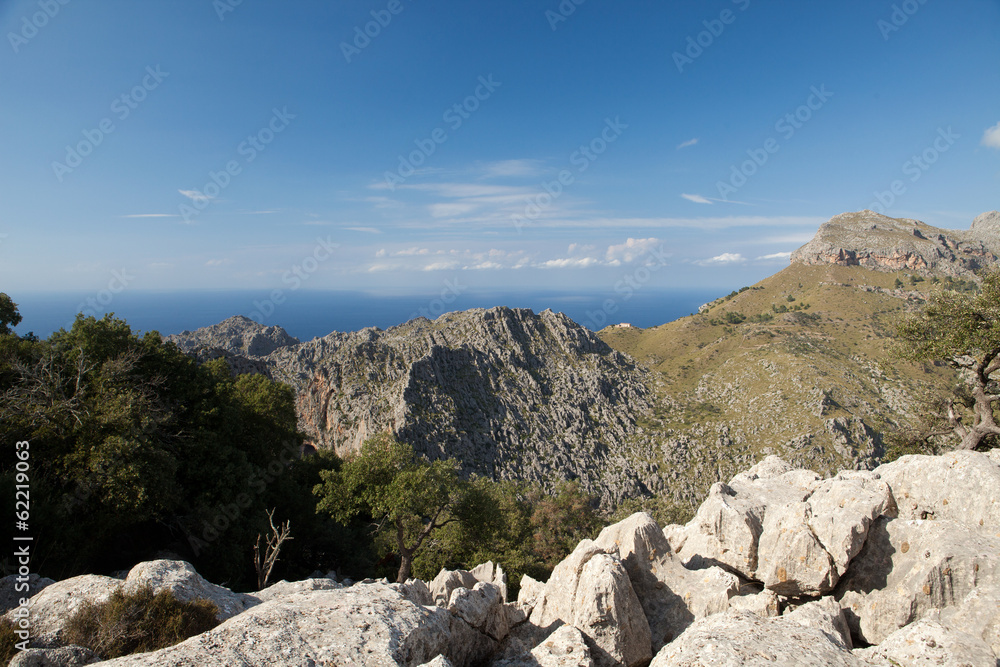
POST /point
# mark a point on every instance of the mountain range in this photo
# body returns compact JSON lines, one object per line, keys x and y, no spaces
{"x":797,"y":365}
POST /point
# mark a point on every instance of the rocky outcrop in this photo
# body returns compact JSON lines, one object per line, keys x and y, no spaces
{"x":929,"y":643}
{"x":181,"y":579}
{"x":509,"y":393}
{"x":875,"y":241}
{"x":366,"y":624}
{"x":744,"y":638}
{"x":672,"y":596}
{"x":447,"y":581}
{"x":591,"y":591}
{"x":785,"y":527}
{"x":908,"y":568}
{"x":910,"y":591}
{"x":238,"y":335}
{"x":14,"y":588}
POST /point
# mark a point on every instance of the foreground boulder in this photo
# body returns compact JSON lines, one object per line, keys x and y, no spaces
{"x":785,"y":527}
{"x":744,"y":638}
{"x":672,"y":596}
{"x":366,"y":624}
{"x":64,"y":656}
{"x":180,"y":578}
{"x":910,"y":568}
{"x":929,"y":643}
{"x":591,"y":591}
{"x":959,"y":486}
{"x":10,"y":596}
{"x":52,"y":607}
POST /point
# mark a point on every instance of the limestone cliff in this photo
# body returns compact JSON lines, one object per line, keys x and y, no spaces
{"x":510,"y":394}
{"x":881,"y":243}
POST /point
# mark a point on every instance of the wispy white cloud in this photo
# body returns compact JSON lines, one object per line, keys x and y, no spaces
{"x":686,"y":144}
{"x":194,"y":195}
{"x":776,"y":255}
{"x":365,"y":230}
{"x":697,"y":199}
{"x":630,"y":251}
{"x":151,"y":215}
{"x":507,"y":168}
{"x":569,"y":263}
{"x":991,"y":137}
{"x":441,"y":266}
{"x":725,"y":258}
{"x":219,"y":262}
{"x":486,"y":266}
{"x":411,"y":252}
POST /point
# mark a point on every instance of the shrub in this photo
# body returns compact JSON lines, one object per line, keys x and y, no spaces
{"x":8,"y":641}
{"x":137,"y":622}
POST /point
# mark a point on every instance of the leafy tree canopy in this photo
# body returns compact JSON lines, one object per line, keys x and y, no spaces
{"x":9,"y":317}
{"x":963,"y":330}
{"x":403,"y":494}
{"x":137,"y":448}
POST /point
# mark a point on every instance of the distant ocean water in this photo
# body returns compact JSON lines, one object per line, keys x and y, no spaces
{"x":308,"y":314}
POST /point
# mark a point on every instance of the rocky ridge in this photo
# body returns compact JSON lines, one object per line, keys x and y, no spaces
{"x":511,"y":394}
{"x":780,"y":566}
{"x":801,"y":364}
{"x":881,"y":243}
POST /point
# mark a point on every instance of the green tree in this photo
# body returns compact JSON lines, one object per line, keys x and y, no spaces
{"x":136,"y":448}
{"x":9,"y":317}
{"x":404,"y":495}
{"x":963,"y":330}
{"x":561,"y":520}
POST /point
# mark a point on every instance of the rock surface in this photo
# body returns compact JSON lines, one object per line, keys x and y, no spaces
{"x":978,"y":614}
{"x":671,"y":595}
{"x":786,"y":527}
{"x":180,"y":578}
{"x":566,"y":647}
{"x":929,"y":643}
{"x":591,"y":591}
{"x":960,"y":486}
{"x":743,"y":638}
{"x":10,"y":596}
{"x":65,"y":656}
{"x":284,"y":588}
{"x":908,"y":568}
{"x":881,"y":243}
{"x":366,"y":624}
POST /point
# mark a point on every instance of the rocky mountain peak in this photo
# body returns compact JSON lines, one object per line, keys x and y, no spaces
{"x":510,"y":393}
{"x":237,"y":335}
{"x":881,"y":243}
{"x":987,"y":224}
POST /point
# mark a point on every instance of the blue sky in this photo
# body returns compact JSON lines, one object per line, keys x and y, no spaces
{"x":512,"y":145}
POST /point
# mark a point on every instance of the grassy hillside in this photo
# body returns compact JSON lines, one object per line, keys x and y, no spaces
{"x":797,"y":365}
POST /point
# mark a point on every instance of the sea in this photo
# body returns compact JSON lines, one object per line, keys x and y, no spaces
{"x":309,"y":314}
